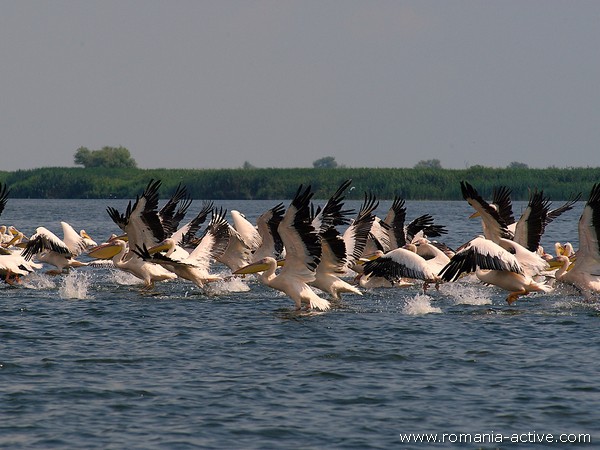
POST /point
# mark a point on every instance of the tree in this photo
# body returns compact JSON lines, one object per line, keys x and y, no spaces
{"x":248,"y":166}
{"x":517,"y":165}
{"x":429,"y":164}
{"x":106,"y":157}
{"x":328,"y":162}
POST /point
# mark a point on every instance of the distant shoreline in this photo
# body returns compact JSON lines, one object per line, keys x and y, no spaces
{"x":268,"y":184}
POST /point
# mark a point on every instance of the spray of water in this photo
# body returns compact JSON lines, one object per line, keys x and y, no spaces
{"x":465,"y":294}
{"x":419,"y":305}
{"x":74,"y":286}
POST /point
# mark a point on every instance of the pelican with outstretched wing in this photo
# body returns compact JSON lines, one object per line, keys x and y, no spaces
{"x":584,"y":272}
{"x":303,"y":253}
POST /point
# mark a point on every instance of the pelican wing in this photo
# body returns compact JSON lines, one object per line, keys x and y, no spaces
{"x":501,"y":198}
{"x":395,"y":219}
{"x":72,"y":239}
{"x":333,"y":252}
{"x":4,"y":191}
{"x":237,"y":254}
{"x":494,"y":225}
{"x":246,"y":231}
{"x":332,"y":213}
{"x":42,"y":240}
{"x":589,"y":226}
{"x":399,"y":263}
{"x":187,"y":232}
{"x":531,"y":262}
{"x":267,"y":225}
{"x":531,"y":224}
{"x":143,"y":224}
{"x":424,"y":225}
{"x":357,"y":234}
{"x":479,"y":253}
{"x":379,"y":239}
{"x":300,"y":239}
{"x":554,"y":213}
{"x":214,"y":240}
{"x":173,"y":212}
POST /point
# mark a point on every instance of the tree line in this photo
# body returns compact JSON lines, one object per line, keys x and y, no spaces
{"x":280,"y":184}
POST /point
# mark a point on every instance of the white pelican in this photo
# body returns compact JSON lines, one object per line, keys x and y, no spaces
{"x":532,"y":223}
{"x":271,"y":243}
{"x":337,"y":252}
{"x":409,"y":262}
{"x":48,"y":248}
{"x":243,"y":240}
{"x":494,"y":226}
{"x":117,"y":250}
{"x":303,"y":252}
{"x":186,"y":234}
{"x":401,"y":233}
{"x":145,"y":227}
{"x":356,"y":236}
{"x":12,"y":263}
{"x":584,"y":272}
{"x":506,"y":264}
{"x":195,"y":267}
{"x":141,"y":221}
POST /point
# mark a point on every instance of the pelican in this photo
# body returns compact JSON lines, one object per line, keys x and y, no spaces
{"x":339,"y":252}
{"x":194,"y":267}
{"x":141,"y":221}
{"x":505,"y":264}
{"x":400,"y":233}
{"x":145,"y":227}
{"x":420,"y":260}
{"x":48,"y":248}
{"x":584,"y":272}
{"x":243,"y":240}
{"x":303,"y":253}
{"x":185,"y":236}
{"x":267,"y":226}
{"x":499,"y":221}
{"x":494,"y":226}
{"x":117,"y":250}
{"x":13,"y":266}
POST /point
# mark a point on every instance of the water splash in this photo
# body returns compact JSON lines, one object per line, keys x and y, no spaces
{"x":231,"y":284}
{"x":467,"y":295}
{"x":37,"y":280}
{"x":420,"y":305}
{"x":74,"y":286}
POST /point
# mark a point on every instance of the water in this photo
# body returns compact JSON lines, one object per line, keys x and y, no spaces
{"x":89,"y":361}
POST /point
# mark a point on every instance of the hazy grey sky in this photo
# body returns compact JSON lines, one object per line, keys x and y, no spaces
{"x":211,"y":84}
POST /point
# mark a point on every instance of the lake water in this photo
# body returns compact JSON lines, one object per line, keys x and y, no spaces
{"x":88,"y":361}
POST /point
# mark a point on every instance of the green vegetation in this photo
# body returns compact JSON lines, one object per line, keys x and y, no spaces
{"x":105,"y":157}
{"x":244,"y":184}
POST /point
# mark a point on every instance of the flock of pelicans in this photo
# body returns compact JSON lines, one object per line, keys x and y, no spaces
{"x":301,"y":250}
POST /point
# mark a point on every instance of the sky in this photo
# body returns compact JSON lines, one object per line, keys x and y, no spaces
{"x":372,"y":83}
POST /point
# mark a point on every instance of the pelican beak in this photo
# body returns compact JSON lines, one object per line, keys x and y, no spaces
{"x":104,"y":251}
{"x":162,"y":247}
{"x":371,"y":257}
{"x":554,"y":263}
{"x":475,"y":214}
{"x":84,"y":234}
{"x":252,"y":268}
{"x":122,"y":237}
{"x":281,"y":263}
